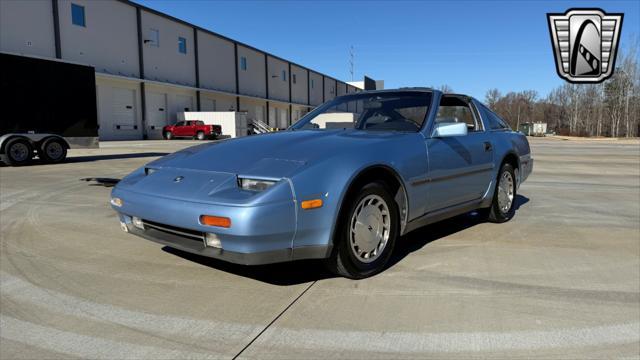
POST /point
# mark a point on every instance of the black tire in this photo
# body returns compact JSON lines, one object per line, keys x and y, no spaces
{"x":18,"y":152}
{"x":53,"y":151}
{"x":168,"y":135}
{"x":200,"y":135}
{"x":495,"y":213}
{"x":343,"y":260}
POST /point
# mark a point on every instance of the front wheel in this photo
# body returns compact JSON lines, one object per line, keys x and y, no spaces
{"x":200,"y":135}
{"x":502,"y":207}
{"x":168,"y":135}
{"x":366,"y":235}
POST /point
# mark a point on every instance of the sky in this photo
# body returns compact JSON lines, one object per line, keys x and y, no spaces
{"x":471,"y":46}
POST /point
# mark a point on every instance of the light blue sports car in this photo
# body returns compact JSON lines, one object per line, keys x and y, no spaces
{"x":341,"y":184}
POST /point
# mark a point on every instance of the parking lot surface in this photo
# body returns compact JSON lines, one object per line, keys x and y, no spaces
{"x":561,"y":280}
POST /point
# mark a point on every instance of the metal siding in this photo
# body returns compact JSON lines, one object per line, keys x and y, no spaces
{"x":222,"y":102}
{"x":299,"y":93}
{"x":329,"y":89}
{"x":110,"y":49}
{"x":164,"y":62}
{"x":278,"y":89}
{"x":252,"y":81}
{"x":217,"y":69}
{"x":316,"y":92}
{"x":26,"y":27}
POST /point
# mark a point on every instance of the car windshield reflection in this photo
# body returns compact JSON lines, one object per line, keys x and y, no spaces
{"x":385,"y":111}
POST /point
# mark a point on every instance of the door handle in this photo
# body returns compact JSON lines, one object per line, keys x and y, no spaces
{"x":487,"y":146}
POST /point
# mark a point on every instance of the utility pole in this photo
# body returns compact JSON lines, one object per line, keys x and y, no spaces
{"x":351,"y":62}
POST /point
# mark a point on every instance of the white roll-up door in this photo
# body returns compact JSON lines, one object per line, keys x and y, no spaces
{"x":156,"y":114}
{"x":184,"y":103}
{"x":124,"y":110}
{"x":283,"y":118}
{"x":260,"y":113}
{"x":207,"y":104}
{"x":272,"y":117}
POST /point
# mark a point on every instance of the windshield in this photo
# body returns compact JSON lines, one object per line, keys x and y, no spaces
{"x":384,"y":111}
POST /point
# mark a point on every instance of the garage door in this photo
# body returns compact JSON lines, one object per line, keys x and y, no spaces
{"x":181,"y":103}
{"x":124,"y":112}
{"x":260,"y":113}
{"x":208,"y":104}
{"x":156,"y":114}
{"x":283,"y":119}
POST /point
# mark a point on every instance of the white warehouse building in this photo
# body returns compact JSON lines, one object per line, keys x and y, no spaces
{"x":150,"y":66}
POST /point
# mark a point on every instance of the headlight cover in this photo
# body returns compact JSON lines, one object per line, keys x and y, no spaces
{"x":255,"y":184}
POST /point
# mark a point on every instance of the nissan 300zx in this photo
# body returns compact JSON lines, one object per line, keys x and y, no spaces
{"x":342,"y":184}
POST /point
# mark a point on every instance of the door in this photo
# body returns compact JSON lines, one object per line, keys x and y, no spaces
{"x":156,"y":114}
{"x":124,"y":112}
{"x":207,"y":104}
{"x":460,"y":167}
{"x":189,"y":128}
{"x":272,"y":117}
{"x":180,"y":128}
{"x":295,"y":115}
{"x":260,"y":113}
{"x":283,"y":119}
{"x":181,"y":103}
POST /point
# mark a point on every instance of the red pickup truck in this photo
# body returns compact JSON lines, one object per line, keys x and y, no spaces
{"x":192,"y":128}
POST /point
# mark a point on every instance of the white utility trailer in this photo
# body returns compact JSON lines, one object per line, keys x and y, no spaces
{"x":233,"y":123}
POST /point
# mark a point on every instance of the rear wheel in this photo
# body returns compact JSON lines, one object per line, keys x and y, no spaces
{"x":52,"y":151}
{"x":200,"y":135}
{"x":168,"y":135}
{"x":366,"y":236}
{"x":502,"y":208}
{"x":18,"y":152}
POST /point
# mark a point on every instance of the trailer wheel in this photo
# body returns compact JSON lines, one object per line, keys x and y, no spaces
{"x":52,"y":151}
{"x":18,"y":152}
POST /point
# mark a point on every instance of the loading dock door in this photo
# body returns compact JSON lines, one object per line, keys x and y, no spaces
{"x":260,"y":113}
{"x":156,"y":114}
{"x":183,"y":103}
{"x":207,"y":104}
{"x":283,"y":119}
{"x":272,"y":117}
{"x":124,"y":111}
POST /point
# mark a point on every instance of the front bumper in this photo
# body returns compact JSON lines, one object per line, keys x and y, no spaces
{"x":194,"y":246}
{"x":259,"y":234}
{"x":526,"y":168}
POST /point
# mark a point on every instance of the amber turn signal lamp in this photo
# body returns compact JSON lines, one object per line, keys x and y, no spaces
{"x":218,"y":221}
{"x":311,"y":204}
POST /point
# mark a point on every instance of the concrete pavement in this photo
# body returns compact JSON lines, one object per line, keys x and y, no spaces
{"x":561,"y":280}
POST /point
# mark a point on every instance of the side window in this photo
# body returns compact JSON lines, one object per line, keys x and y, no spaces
{"x":243,"y":63}
{"x":153,"y":38}
{"x":494,"y":122}
{"x":77,"y":15}
{"x":182,"y":45}
{"x":455,"y":109}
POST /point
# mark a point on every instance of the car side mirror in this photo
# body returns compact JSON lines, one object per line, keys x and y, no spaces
{"x":449,"y":129}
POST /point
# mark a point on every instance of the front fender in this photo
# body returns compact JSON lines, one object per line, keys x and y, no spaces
{"x":331,"y":178}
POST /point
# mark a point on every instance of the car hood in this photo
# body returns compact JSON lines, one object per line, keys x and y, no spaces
{"x":208,"y":172}
{"x":275,"y":154}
